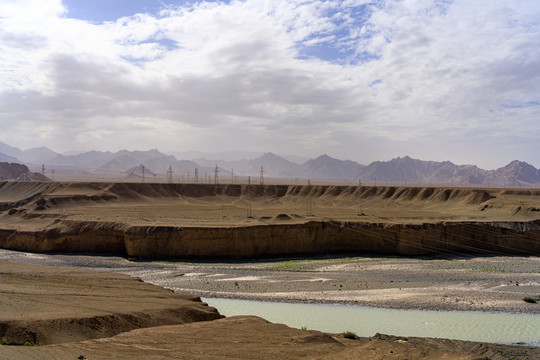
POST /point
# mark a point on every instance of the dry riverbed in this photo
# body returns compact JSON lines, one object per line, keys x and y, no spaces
{"x":497,"y":283}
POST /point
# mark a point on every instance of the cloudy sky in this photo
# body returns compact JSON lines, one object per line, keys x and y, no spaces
{"x":454,"y":80}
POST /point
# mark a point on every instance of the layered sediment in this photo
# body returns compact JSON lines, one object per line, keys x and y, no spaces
{"x":209,"y":221}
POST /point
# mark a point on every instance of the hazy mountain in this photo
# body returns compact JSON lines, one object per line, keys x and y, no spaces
{"x":7,"y":158}
{"x":114,"y":162}
{"x":326,"y":167}
{"x":408,"y":170}
{"x":397,"y":170}
{"x":222,"y":156}
{"x":185,"y":167}
{"x":84,"y":161}
{"x":139,"y":171}
{"x":231,"y":156}
{"x":516,"y":173}
{"x":112,"y":166}
{"x":273,"y":166}
{"x":37,"y":155}
{"x":13,"y":171}
{"x":9,"y":150}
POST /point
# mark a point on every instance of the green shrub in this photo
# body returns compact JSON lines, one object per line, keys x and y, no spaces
{"x":529,"y":300}
{"x":349,"y":335}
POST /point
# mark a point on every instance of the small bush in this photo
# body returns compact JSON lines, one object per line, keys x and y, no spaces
{"x":4,"y":341}
{"x":529,"y":300}
{"x":349,"y":335}
{"x":303,"y":327}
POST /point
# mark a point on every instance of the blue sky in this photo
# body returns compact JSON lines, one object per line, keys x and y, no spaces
{"x":99,"y":11}
{"x":356,"y":79}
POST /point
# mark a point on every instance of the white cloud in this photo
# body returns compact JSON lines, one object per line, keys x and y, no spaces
{"x":413,"y":74}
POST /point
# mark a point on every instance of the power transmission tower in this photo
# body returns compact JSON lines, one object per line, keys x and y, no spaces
{"x":232,"y":176}
{"x":309,"y":205}
{"x":196,"y":176}
{"x":52,"y":174}
{"x":169,"y":175}
{"x":261,"y":178}
{"x":216,"y":175}
{"x":142,"y":173}
{"x":249,"y":214}
{"x":43,"y":169}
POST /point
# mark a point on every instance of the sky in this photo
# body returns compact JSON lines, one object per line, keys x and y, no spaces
{"x":363,"y":80}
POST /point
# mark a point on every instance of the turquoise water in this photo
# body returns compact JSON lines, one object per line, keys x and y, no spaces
{"x":503,"y":328}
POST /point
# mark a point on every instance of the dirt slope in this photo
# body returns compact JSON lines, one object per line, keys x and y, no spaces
{"x":44,"y":305}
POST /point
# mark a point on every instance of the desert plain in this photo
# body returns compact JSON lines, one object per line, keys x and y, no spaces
{"x":398,"y":247}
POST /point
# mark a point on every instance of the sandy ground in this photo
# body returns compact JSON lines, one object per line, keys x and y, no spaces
{"x":41,"y":296}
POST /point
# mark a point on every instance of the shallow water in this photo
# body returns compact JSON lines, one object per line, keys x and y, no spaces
{"x":502,"y":328}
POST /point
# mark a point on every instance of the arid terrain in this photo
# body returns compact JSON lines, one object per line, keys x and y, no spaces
{"x":396,"y":247}
{"x":243,"y":221}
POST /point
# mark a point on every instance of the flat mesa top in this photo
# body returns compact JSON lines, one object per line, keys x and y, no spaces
{"x":34,"y":205}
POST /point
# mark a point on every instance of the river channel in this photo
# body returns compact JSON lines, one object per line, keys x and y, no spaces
{"x":502,"y":328}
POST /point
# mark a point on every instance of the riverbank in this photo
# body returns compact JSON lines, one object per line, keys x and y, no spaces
{"x":51,"y":293}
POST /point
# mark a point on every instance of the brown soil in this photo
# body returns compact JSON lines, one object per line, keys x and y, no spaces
{"x":45,"y":305}
{"x":243,"y":337}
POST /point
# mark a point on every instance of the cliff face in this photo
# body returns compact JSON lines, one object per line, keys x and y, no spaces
{"x":450,"y":239}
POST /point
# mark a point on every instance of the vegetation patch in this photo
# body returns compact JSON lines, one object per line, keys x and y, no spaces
{"x":350,"y":335}
{"x":488,"y":268}
{"x":532,"y":300}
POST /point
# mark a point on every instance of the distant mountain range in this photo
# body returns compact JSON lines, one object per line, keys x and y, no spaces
{"x":400,"y":170}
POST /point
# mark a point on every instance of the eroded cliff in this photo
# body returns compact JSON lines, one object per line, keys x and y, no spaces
{"x":210,"y":221}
